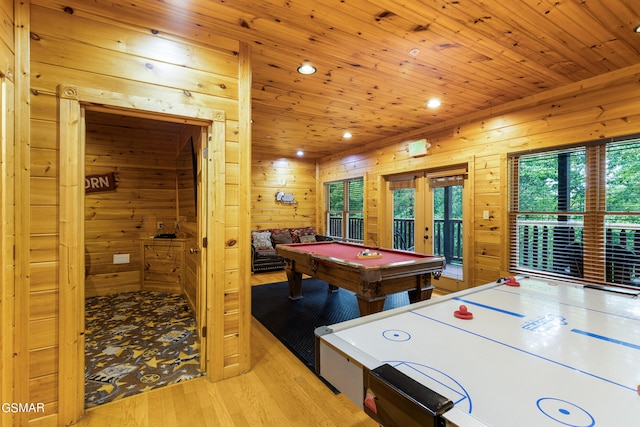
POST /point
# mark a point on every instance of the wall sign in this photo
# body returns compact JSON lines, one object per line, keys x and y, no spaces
{"x":102,"y":182}
{"x":285,"y":198}
{"x":418,"y":148}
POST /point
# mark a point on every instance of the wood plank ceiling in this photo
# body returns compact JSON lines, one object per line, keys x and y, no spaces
{"x":379,"y":61}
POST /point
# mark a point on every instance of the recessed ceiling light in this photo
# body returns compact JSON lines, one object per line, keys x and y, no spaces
{"x":434,"y":103}
{"x":347,"y":135}
{"x":414,"y":52}
{"x":306,"y":69}
{"x":637,"y":29}
{"x":300,"y":153}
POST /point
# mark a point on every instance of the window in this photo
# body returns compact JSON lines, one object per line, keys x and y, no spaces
{"x":345,"y":209}
{"x":575,"y":213}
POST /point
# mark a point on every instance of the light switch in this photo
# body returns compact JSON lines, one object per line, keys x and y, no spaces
{"x":485,"y":214}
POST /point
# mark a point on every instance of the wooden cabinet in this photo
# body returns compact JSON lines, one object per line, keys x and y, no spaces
{"x":162,"y":266}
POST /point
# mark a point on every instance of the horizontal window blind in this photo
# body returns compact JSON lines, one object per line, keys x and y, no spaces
{"x":446,"y":178}
{"x":570,"y":215}
{"x":402,"y":182}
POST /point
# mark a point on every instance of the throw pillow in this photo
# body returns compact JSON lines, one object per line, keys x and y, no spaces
{"x":298,"y":232}
{"x":308,"y":238}
{"x":282,"y":238}
{"x":261,"y":239}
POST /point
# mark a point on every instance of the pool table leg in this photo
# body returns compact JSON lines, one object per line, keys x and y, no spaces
{"x":370,"y":305}
{"x":423,"y":289}
{"x":422,"y":294}
{"x":295,"y":282}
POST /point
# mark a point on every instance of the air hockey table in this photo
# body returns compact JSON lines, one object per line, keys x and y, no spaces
{"x":527,"y":352}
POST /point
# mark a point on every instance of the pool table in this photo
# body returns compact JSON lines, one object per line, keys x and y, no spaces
{"x":371,"y":279}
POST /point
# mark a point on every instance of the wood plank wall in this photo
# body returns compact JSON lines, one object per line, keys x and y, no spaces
{"x":270,"y":175}
{"x":143,"y":160}
{"x":100,"y":52}
{"x":96,"y":51}
{"x":598,"y":108}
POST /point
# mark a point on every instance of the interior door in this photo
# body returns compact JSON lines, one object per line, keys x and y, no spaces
{"x":192,"y":223}
{"x":200,"y":148}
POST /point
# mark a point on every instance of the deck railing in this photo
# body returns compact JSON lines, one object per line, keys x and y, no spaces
{"x":447,"y":239}
{"x":404,"y":234}
{"x":355,"y":229}
{"x":557,"y":246}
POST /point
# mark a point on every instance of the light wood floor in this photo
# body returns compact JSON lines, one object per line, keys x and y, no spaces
{"x":278,"y":391}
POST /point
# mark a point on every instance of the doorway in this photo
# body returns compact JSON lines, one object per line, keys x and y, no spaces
{"x":73,"y":103}
{"x":428,"y":214}
{"x":142,"y":293}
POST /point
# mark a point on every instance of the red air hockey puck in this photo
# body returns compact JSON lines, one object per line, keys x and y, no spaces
{"x":463,"y":313}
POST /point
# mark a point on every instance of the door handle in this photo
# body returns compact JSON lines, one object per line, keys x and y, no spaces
{"x":194,"y":250}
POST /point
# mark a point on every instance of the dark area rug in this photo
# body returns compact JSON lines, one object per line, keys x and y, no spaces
{"x":294,"y":322}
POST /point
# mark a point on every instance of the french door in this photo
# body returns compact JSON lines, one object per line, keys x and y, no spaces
{"x":443,"y":232}
{"x":428,"y":215}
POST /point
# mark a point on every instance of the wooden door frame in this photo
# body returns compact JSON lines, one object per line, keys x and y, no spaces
{"x":72,"y":101}
{"x":422,"y":203}
{"x":468,"y":227}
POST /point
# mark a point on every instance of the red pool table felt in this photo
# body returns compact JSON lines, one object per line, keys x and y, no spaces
{"x":349,"y":252}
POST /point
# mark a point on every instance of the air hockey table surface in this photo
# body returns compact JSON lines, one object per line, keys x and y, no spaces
{"x":539,"y":354}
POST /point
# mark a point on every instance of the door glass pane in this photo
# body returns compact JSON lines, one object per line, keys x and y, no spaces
{"x":403,"y":219}
{"x":447,"y":227}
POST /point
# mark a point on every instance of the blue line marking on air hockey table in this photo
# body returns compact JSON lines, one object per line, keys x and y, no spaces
{"x":490,"y":307}
{"x":603,"y":338}
{"x":554,"y":299}
{"x":513,"y":347}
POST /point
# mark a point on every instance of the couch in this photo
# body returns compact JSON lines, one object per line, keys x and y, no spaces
{"x":263,"y":245}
